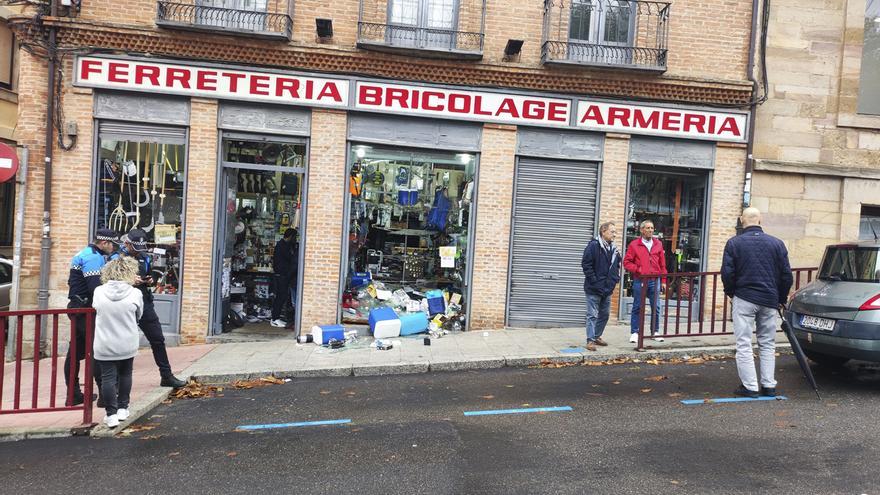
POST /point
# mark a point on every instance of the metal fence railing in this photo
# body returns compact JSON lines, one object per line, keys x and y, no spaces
{"x":39,"y":377}
{"x":693,"y":304}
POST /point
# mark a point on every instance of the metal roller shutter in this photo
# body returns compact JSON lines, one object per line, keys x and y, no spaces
{"x":554,"y":217}
{"x":144,"y":133}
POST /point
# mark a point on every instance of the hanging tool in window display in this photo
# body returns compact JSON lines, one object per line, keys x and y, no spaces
{"x":140,"y":204}
{"x":163,"y":177}
{"x":117,"y":220}
{"x":132,"y":169}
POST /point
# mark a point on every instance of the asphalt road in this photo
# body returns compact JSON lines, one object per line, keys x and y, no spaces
{"x":627,"y":432}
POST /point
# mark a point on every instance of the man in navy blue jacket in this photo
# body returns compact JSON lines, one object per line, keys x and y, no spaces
{"x":601,"y":265}
{"x":757,"y":275}
{"x":85,"y":275}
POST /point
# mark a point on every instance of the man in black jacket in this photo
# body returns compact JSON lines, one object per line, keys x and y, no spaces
{"x":601,"y":266}
{"x":135,"y":245}
{"x":284,"y":264}
{"x":757,"y":275}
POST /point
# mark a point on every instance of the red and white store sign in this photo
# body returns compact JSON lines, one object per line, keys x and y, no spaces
{"x":139,"y":75}
{"x":402,"y":99}
{"x":660,"y":121}
{"x":464,"y":105}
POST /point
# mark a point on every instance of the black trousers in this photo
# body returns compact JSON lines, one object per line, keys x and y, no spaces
{"x":282,"y":295}
{"x":152,"y":329}
{"x":115,"y":383}
{"x":79,"y":324}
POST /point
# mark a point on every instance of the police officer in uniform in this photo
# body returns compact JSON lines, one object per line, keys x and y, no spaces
{"x":85,"y":276}
{"x":134,"y":244}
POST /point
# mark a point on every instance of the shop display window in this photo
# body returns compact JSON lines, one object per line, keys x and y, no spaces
{"x":676,"y":203}
{"x":408,"y":233}
{"x":141,"y":185}
{"x":264,"y":192}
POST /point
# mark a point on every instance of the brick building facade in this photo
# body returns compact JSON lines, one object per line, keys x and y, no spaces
{"x":817,"y":138}
{"x":674,"y":73}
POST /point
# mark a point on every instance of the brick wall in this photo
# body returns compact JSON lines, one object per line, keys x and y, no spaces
{"x":612,"y":199}
{"x":491,"y":244}
{"x":727,"y":186}
{"x":201,"y":183}
{"x":320,"y":298}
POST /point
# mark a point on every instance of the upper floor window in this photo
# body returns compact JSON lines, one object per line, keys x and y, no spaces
{"x":422,"y":23}
{"x":440,"y":28}
{"x":869,"y":78}
{"x":629,"y":33}
{"x":7,"y":56}
{"x":254,"y":18}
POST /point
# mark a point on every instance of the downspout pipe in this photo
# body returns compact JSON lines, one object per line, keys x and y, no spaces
{"x":46,"y":240}
{"x":750,"y":143}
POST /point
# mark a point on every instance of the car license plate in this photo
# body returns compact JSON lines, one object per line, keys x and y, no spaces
{"x":817,"y":323}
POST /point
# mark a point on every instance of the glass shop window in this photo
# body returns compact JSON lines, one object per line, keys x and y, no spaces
{"x":141,"y":185}
{"x":676,"y":203}
{"x":408,"y":233}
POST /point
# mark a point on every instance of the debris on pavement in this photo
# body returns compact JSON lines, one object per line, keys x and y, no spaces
{"x":259,"y":382}
{"x":195,"y":390}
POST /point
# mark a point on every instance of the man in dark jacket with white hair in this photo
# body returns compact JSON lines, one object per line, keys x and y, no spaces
{"x":601,"y":266}
{"x":757,"y":276}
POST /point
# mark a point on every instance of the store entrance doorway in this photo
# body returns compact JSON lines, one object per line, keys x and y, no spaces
{"x":259,"y":254}
{"x":676,"y":201}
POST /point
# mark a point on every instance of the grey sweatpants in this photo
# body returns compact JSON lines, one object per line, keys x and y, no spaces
{"x":745,"y":317}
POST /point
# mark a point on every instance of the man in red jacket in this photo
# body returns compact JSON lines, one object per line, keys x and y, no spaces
{"x":645,"y":256}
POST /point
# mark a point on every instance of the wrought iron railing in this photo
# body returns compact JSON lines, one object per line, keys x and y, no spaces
{"x":596,"y":54}
{"x":623,"y":33}
{"x":223,"y":19}
{"x":420,"y":38}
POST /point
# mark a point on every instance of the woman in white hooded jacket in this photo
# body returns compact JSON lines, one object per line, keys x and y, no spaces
{"x":119,"y":307}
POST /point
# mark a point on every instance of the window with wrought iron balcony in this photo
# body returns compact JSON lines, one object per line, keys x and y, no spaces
{"x":628,"y":34}
{"x":264,"y":19}
{"x":432,"y":28}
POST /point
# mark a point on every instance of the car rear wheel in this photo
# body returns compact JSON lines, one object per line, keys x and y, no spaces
{"x":826,"y":360}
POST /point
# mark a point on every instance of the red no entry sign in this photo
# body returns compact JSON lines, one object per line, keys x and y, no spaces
{"x":8,"y":162}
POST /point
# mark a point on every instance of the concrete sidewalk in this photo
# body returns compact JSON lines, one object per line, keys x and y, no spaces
{"x":459,"y":351}
{"x":285,"y":358}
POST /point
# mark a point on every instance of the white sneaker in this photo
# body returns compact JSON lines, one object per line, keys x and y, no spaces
{"x":122,"y":414}
{"x":657,"y":337}
{"x":634,"y":338}
{"x":111,"y":421}
{"x":278,"y":323}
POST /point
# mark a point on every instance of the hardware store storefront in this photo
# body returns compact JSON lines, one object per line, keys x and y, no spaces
{"x":397,"y":191}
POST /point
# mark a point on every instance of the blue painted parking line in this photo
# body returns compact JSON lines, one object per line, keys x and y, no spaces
{"x":573,"y":350}
{"x":294,"y":425}
{"x":518,"y":411}
{"x":721,"y":400}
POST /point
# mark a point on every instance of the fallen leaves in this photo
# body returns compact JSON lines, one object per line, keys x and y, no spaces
{"x":151,"y":437}
{"x":674,"y":395}
{"x":259,"y":382}
{"x":140,"y":428}
{"x":645,"y":390}
{"x":173,"y":454}
{"x":658,"y":378}
{"x":547,"y":363}
{"x":487,"y":397}
{"x":231,"y":454}
{"x":195,"y":390}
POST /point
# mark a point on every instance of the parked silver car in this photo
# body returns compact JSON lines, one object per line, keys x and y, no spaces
{"x":837,"y":317}
{"x":5,"y":283}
